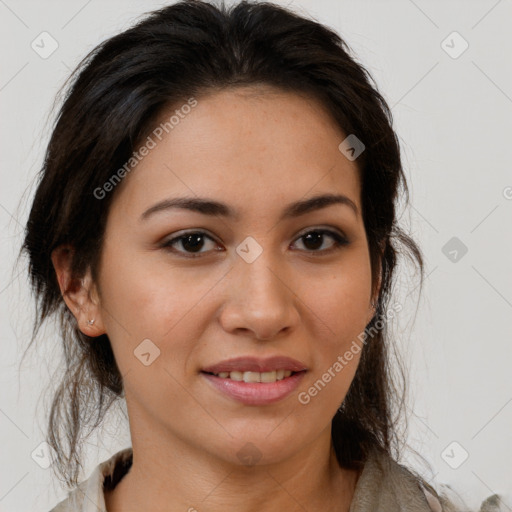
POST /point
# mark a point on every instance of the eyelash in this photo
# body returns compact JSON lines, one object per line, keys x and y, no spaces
{"x":339,"y":242}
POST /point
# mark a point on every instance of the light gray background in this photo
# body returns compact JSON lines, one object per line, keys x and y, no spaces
{"x":454,"y":119}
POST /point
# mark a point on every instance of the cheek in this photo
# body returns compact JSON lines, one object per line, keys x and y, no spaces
{"x":341,"y":308}
{"x":147,"y":298}
{"x":145,"y":302}
{"x":342,"y":303}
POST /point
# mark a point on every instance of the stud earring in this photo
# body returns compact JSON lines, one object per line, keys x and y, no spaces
{"x":90,"y":322}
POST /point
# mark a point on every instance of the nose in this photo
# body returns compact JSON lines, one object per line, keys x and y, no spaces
{"x":259,"y":299}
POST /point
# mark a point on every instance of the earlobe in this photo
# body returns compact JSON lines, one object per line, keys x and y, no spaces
{"x":77,"y":293}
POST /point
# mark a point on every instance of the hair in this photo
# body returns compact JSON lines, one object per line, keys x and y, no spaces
{"x":115,"y":95}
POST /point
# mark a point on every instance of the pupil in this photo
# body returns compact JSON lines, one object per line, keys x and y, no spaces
{"x":316,"y":238}
{"x":194,"y":241}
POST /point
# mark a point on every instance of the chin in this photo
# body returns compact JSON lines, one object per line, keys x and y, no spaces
{"x":258,"y":448}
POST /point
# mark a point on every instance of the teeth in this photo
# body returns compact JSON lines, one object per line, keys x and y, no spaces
{"x":268,"y":376}
{"x":272,"y":376}
{"x":252,"y":377}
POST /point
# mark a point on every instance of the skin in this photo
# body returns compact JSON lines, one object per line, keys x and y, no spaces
{"x":256,"y":149}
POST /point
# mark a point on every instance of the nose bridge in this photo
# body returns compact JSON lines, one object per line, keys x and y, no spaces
{"x":258,"y":272}
{"x":259,"y":299}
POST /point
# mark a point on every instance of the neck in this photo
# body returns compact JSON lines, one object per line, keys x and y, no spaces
{"x":173,"y":475}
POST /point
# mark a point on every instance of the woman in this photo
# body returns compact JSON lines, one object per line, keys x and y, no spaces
{"x":215,"y":228}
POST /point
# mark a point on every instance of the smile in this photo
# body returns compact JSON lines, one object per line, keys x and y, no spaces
{"x":239,"y":376}
{"x":251,"y":388}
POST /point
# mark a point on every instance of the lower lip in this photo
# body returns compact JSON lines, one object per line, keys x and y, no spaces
{"x":256,"y":393}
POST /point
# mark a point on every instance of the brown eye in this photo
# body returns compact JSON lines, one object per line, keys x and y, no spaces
{"x":190,"y":243}
{"x":313,"y":240}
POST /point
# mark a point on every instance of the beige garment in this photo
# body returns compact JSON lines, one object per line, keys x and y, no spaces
{"x":383,"y":486}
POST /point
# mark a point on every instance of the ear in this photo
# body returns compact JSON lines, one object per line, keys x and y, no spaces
{"x":80,"y":294}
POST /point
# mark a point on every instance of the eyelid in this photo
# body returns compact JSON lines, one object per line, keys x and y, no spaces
{"x":339,"y":237}
{"x":169,"y":242}
{"x":324,"y":227}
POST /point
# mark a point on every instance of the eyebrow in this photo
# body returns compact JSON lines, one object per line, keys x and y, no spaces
{"x":215,"y":208}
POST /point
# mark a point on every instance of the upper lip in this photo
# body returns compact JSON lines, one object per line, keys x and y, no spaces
{"x":255,"y":364}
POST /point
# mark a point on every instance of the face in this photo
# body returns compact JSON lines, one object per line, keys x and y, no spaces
{"x":182,"y":290}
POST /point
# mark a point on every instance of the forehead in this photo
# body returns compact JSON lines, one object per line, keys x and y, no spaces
{"x":254,"y":145}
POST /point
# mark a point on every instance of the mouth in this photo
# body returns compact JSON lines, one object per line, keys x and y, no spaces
{"x":255,"y":381}
{"x":249,"y":376}
{"x":261,"y":366}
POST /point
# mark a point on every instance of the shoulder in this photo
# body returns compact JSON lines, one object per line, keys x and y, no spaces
{"x":386,"y":485}
{"x":452,"y":502}
{"x":88,"y":496}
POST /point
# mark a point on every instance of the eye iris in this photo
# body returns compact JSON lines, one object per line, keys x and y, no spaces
{"x":315,"y":237}
{"x":194,"y":240}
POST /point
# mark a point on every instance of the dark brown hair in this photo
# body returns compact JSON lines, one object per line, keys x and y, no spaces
{"x":117,"y":92}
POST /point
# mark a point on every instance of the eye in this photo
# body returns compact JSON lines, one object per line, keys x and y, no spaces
{"x":315,"y":238}
{"x":192,"y":242}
